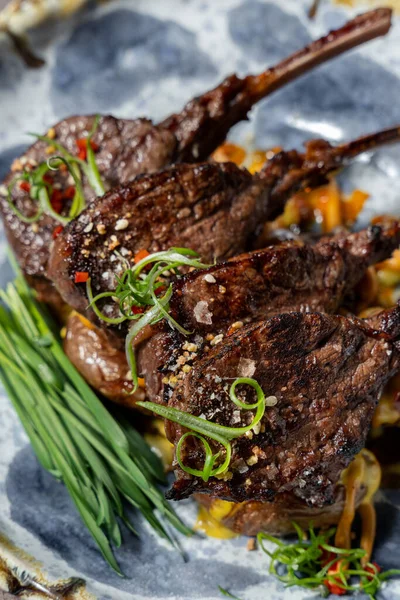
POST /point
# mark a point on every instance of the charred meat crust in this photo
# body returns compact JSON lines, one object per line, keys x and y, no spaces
{"x":330,"y":375}
{"x":215,"y":209}
{"x":280,"y":279}
{"x":259,"y":285}
{"x":210,"y":208}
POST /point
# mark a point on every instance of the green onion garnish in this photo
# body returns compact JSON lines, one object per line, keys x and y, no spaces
{"x":101,"y":461}
{"x":41,"y":190}
{"x":203,"y":429}
{"x":316,"y":564}
{"x":142,"y":290}
{"x":88,"y":166}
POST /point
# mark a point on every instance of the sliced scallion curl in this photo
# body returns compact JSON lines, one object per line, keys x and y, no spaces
{"x":36,"y":182}
{"x":150,"y":317}
{"x":138,"y":289}
{"x":18,"y":213}
{"x":40,"y":192}
{"x":202,"y":428}
{"x":91,"y":170}
{"x":75,"y":166}
{"x":210,"y":458}
{"x":78,"y":202}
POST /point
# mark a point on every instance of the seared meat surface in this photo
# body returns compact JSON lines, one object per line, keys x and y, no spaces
{"x":215,"y":209}
{"x":259,"y":285}
{"x":102,"y":365}
{"x":327,"y":373}
{"x":280,"y":279}
{"x":127,"y":148}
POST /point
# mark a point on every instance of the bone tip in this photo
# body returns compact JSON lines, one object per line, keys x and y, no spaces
{"x":385,"y":13}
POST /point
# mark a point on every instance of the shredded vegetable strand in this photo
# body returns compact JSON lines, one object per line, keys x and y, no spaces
{"x":315,"y":563}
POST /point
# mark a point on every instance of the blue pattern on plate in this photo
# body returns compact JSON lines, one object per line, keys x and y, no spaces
{"x":137,"y":50}
{"x":149,"y":60}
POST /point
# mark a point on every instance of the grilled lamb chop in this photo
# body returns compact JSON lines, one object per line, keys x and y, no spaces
{"x":127,"y":148}
{"x":279,"y":279}
{"x":215,"y":209}
{"x":327,"y":373}
{"x":259,"y":285}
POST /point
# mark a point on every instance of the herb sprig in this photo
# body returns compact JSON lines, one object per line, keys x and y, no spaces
{"x":40,"y":189}
{"x":316,"y":564}
{"x":101,"y":461}
{"x":202,"y":428}
{"x":141,"y":290}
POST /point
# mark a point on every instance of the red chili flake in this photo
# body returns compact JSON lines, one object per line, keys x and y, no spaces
{"x":369,"y":569}
{"x":81,"y":276}
{"x":334,"y":589}
{"x":137,"y":310}
{"x":47,"y":178}
{"x":81,"y":143}
{"x":140,"y":255}
{"x":57,"y":231}
{"x":69,"y":193}
{"x":56,"y":200}
{"x":25,"y":186}
{"x":160,"y":290}
{"x":82,"y":147}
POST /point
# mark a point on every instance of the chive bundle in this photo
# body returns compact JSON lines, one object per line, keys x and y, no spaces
{"x":102,"y":462}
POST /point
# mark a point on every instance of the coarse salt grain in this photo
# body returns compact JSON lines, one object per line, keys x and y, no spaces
{"x":246,"y":367}
{"x":202,"y":314}
{"x":121,"y":224}
{"x":210,"y":278}
{"x":218,"y":338}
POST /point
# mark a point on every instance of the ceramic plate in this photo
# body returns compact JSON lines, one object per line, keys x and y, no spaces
{"x":147,"y":58}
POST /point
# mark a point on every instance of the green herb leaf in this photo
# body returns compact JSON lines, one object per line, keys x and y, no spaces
{"x":227,"y":594}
